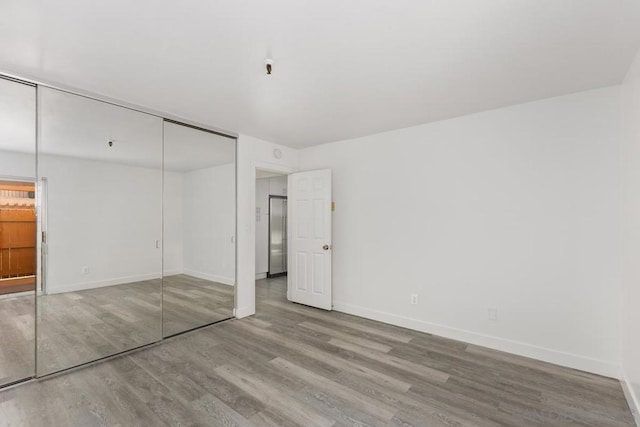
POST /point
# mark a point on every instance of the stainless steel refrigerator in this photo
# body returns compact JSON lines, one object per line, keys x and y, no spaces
{"x":277,"y":236}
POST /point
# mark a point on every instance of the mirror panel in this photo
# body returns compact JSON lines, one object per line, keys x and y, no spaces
{"x":100,"y":168}
{"x":18,"y":231}
{"x":199,"y":228}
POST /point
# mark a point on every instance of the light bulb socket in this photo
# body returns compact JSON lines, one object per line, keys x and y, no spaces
{"x":269,"y":65}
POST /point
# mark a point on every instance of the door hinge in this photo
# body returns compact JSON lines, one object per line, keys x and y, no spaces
{"x":333,"y":206}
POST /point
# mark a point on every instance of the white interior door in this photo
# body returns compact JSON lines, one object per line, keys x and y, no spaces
{"x":309,"y":234}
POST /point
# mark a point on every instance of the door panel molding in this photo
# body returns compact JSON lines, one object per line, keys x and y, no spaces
{"x":309,"y":236}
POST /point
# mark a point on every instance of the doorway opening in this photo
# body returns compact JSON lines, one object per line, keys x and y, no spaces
{"x":308,"y":241}
{"x":277,"y":236}
{"x":271,"y":234}
{"x":18,"y":232}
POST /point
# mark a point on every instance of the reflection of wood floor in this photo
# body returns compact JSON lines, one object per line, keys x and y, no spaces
{"x":19,"y":284}
{"x":293,"y":365}
{"x":16,"y":338}
{"x":77,"y":327}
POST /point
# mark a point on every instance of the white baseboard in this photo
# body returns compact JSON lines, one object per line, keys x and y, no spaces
{"x":172,"y":272}
{"x":632,"y":399}
{"x":515,"y":347}
{"x":220,"y":279}
{"x":244,"y":312}
{"x":102,"y":283}
{"x":261,"y":276}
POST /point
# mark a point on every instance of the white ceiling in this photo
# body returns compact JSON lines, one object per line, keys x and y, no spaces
{"x":342,"y":68}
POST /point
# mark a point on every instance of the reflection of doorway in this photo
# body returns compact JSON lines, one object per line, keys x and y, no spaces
{"x":17,"y":236}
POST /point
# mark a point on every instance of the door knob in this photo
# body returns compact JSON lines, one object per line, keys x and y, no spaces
{"x":325,"y":247}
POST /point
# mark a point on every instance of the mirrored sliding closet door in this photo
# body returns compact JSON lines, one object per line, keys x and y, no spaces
{"x":117,"y":229}
{"x":199,"y":228}
{"x":100,"y":169}
{"x":18,"y":228}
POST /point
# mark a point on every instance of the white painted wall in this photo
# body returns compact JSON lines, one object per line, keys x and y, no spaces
{"x":209,"y":223}
{"x":278,"y":185}
{"x":253,"y":153}
{"x":262,"y":227}
{"x":631,"y":232}
{"x":265,"y":187}
{"x":516,"y":209}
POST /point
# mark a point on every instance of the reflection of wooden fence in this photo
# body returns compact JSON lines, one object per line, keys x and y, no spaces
{"x":17,"y":242}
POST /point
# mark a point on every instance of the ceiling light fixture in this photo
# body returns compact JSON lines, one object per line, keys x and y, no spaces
{"x":269,"y":64}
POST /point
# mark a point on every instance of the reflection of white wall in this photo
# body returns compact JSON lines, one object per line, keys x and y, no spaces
{"x":209,"y":223}
{"x":102,"y":216}
{"x":277,"y":186}
{"x":17,"y":165}
{"x":172,"y":220}
{"x":107,"y":217}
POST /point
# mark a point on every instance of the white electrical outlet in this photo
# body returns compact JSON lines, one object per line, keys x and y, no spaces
{"x":414,"y":299}
{"x":492,"y":314}
{"x":85,"y":270}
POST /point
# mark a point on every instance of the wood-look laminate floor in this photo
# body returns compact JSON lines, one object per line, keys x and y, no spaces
{"x":190,"y":302}
{"x":293,"y":365}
